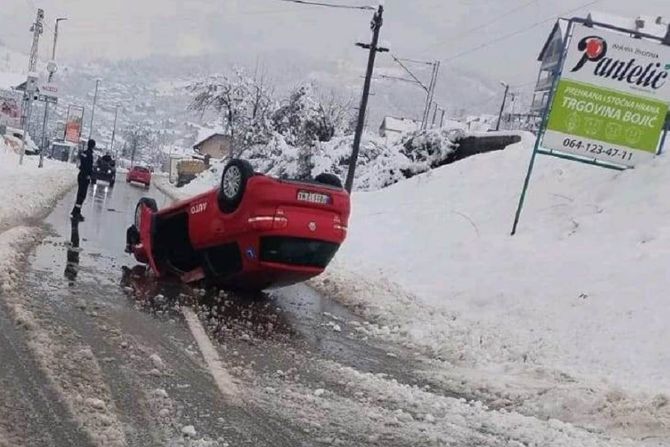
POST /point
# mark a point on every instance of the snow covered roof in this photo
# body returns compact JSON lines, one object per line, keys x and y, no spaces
{"x":393,"y":124}
{"x":11,"y":80}
{"x":210,"y":135}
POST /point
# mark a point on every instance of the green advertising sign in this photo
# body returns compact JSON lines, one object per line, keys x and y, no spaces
{"x":612,"y":117}
{"x":611,"y":101}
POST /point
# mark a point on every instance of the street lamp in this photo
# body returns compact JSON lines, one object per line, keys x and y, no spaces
{"x":95,"y":99}
{"x":52,"y":67}
{"x":502,"y":107}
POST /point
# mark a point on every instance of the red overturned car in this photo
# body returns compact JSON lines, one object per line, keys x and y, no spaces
{"x":253,"y":232}
{"x":139,"y":174}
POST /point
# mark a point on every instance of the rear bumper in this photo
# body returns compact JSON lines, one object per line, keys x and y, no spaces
{"x":144,"y":181}
{"x":104,"y":176}
{"x":272,"y":260}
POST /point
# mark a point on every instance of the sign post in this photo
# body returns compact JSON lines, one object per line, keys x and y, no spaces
{"x":609,"y":100}
{"x":49,"y":95}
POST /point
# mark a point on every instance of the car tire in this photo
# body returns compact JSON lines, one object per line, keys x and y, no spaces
{"x":329,"y":179}
{"x":111,"y":184}
{"x":93,"y":181}
{"x":233,"y":184}
{"x":144,"y":201}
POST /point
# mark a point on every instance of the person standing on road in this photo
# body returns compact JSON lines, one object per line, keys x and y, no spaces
{"x":83,"y":179}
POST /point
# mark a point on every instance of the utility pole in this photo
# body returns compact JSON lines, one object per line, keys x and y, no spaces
{"x":430,"y":89}
{"x":434,"y":116}
{"x":31,"y":81}
{"x":502,"y":107}
{"x":376,"y":25}
{"x":111,"y":144}
{"x":431,"y":94}
{"x":51,"y":68}
{"x":95,"y":99}
{"x":442,"y":119}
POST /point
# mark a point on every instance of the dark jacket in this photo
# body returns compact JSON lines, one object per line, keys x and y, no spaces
{"x":86,"y":164}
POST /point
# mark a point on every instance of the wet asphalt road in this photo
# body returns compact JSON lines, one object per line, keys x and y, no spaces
{"x":89,"y":297}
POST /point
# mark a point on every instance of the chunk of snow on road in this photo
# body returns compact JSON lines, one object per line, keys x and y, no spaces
{"x":319,"y":392}
{"x":98,"y":404}
{"x":189,"y":431}
{"x":334,"y":326}
{"x":157,"y":362}
{"x":159,"y":392}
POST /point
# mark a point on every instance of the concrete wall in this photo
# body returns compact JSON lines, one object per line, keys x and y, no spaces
{"x":480,"y":144}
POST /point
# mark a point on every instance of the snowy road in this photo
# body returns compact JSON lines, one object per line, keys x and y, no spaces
{"x":104,"y":355}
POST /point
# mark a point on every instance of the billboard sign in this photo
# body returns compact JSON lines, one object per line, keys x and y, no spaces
{"x":11,"y":103}
{"x":73,"y":123}
{"x":611,"y":101}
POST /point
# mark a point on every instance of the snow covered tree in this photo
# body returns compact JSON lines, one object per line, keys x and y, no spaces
{"x":243,"y":104}
{"x":138,"y":137}
{"x":302,"y":119}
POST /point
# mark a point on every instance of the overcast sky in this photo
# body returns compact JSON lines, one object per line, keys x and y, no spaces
{"x":434,"y":29}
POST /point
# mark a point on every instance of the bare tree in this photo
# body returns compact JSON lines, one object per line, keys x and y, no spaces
{"x":138,"y":137}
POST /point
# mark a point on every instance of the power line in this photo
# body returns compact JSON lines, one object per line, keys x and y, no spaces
{"x":525,"y":84}
{"x":517,"y":32}
{"x":331,"y":5}
{"x":410,"y":73}
{"x":485,"y":24}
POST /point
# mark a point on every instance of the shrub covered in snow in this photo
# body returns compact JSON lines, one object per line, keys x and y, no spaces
{"x":426,"y":149}
{"x":303,"y":135}
{"x":379,"y":164}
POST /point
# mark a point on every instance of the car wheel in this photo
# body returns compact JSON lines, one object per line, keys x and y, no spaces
{"x":93,"y":181}
{"x":233,"y":184}
{"x":144,"y":201}
{"x":329,"y":179}
{"x":111,"y":184}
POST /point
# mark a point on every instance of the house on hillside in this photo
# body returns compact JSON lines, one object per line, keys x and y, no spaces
{"x":392,"y":128}
{"x":216,"y":145}
{"x":11,"y":99}
{"x":549,"y":57}
{"x":12,"y":81}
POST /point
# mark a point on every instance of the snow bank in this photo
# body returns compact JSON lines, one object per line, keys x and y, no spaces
{"x":28,"y":191}
{"x":581,"y":289}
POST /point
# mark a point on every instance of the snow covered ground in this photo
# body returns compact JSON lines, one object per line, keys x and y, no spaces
{"x":27,"y":194}
{"x":566,"y":320}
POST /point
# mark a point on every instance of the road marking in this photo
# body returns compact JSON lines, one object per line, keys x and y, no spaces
{"x":223,"y":379}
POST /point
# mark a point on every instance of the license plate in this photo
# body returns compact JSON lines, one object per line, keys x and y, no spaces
{"x":313,"y":197}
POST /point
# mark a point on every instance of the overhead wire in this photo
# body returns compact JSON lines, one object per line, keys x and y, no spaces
{"x":417,"y":80}
{"x":331,"y":5}
{"x":462,"y":34}
{"x":517,"y":32}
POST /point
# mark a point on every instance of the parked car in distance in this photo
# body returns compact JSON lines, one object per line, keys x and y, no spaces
{"x":139,"y":174}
